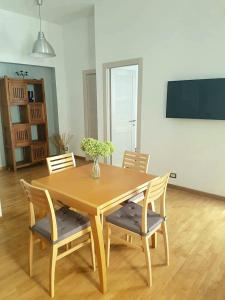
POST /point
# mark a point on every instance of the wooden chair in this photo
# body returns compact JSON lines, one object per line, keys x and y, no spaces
{"x":139,"y":162}
{"x":136,"y":160}
{"x":60,"y":163}
{"x":56,"y":229}
{"x":141,"y":222}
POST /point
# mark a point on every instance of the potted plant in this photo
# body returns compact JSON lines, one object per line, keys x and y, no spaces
{"x":61,"y":141}
{"x":96,"y":149}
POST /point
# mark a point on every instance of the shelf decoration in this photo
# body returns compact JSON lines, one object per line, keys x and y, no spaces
{"x":22,"y":73}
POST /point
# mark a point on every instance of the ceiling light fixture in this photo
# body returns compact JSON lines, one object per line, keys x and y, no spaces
{"x":41,"y":47}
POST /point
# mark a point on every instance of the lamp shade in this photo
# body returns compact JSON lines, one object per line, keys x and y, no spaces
{"x":42,"y":48}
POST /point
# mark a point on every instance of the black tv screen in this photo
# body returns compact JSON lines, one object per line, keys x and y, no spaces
{"x":196,"y":99}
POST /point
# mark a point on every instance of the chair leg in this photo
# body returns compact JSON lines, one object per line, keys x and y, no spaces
{"x":102,"y":220}
{"x":131,"y":239}
{"x":31,"y":253}
{"x":68,"y":246}
{"x":54,"y":251}
{"x":93,"y":252}
{"x":108,"y":235}
{"x":154,"y":240}
{"x":154,"y":236}
{"x":41,"y":214}
{"x":145,"y":242}
{"x":42,"y":245}
{"x":166,"y":243}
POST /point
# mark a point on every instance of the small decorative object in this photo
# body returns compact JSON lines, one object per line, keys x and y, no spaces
{"x":96,"y":149}
{"x":31,"y":96}
{"x":96,"y":169}
{"x":61,"y":142}
{"x":22,"y":74}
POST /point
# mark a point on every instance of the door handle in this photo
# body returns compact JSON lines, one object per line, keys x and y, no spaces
{"x":132,"y":121}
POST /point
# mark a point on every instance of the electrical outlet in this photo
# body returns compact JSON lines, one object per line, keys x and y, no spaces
{"x":173,"y":175}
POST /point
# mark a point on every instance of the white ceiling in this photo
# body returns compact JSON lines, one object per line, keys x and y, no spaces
{"x":57,"y":11}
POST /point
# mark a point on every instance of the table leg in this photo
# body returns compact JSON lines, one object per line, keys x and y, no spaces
{"x":97,"y":232}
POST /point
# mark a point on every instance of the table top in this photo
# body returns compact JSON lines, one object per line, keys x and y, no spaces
{"x":76,"y":187}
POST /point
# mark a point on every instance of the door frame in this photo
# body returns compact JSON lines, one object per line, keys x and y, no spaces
{"x":107,"y":98}
{"x":85,"y":96}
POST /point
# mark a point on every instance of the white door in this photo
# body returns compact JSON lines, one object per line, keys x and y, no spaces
{"x":90,"y":101}
{"x":123,"y":112}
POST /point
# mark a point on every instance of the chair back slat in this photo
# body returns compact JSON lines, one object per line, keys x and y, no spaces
{"x":37,"y":197}
{"x":40,"y":200}
{"x":136,"y":161}
{"x":62,"y":166}
{"x":60,"y":162}
{"x":156,"y":191}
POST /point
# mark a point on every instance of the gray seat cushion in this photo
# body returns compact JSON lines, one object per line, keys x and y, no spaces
{"x":129,"y":217}
{"x":68,"y":223}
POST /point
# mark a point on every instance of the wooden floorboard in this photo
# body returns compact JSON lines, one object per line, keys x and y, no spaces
{"x":196,"y":226}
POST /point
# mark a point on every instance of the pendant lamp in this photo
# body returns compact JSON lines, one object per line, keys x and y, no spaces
{"x":41,"y":47}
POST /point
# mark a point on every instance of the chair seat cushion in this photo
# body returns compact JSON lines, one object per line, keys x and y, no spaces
{"x":130,"y":217}
{"x":68,"y":223}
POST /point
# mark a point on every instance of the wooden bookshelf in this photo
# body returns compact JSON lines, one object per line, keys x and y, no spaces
{"x":24,"y":122}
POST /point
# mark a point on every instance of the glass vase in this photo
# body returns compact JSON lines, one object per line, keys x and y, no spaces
{"x":96,"y":169}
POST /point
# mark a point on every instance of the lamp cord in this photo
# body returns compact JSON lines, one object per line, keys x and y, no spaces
{"x":39,"y":5}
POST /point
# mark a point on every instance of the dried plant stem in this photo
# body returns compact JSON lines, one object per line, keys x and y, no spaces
{"x":61,"y":141}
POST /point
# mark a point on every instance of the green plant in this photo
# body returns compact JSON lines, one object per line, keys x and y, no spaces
{"x":96,"y":149}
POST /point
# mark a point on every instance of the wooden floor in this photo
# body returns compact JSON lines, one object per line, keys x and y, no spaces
{"x":197,"y":246}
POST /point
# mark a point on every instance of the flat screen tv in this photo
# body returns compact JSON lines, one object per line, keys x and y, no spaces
{"x":196,"y":99}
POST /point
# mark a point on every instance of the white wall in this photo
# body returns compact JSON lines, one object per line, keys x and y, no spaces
{"x":79,"y":49}
{"x":18,"y":34}
{"x":75,"y":51}
{"x":177,"y":40}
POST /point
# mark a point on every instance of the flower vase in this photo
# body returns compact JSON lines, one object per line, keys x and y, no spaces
{"x":96,"y":169}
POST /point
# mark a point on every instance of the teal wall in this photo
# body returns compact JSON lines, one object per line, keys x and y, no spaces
{"x":48,"y":74}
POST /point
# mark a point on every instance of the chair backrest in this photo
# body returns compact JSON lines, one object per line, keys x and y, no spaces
{"x":136,"y":161}
{"x":40,"y":201}
{"x":156,"y":191}
{"x":60,"y":162}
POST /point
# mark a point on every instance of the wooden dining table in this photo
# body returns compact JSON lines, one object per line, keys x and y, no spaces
{"x":76,"y":188}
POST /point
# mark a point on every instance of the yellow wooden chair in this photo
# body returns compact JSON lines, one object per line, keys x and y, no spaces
{"x":60,"y":163}
{"x":138,"y":162}
{"x":141,"y":222}
{"x":56,"y":229}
